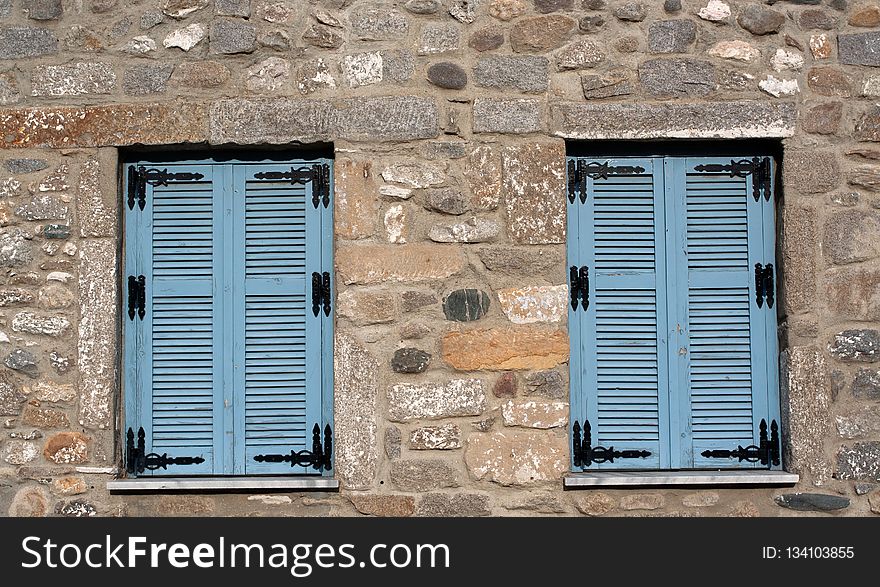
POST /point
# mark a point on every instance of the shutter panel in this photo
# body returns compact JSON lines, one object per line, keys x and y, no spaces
{"x":620,"y":340}
{"x":727,"y":363}
{"x":278,"y":349}
{"x":178,"y":353}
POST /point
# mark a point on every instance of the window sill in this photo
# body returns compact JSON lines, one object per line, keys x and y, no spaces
{"x":229,"y":484}
{"x":679,"y":479}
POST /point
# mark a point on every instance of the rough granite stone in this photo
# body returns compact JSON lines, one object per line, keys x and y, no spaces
{"x":21,"y":42}
{"x":43,"y":9}
{"x":369,"y":264}
{"x":517,"y":458}
{"x":731,"y":119}
{"x":355,"y":398}
{"x":445,"y":437}
{"x":859,"y":48}
{"x":423,"y":475}
{"x":143,"y":80}
{"x":677,"y":77}
{"x":97,"y":339}
{"x":859,"y":461}
{"x":378,"y":22}
{"x":671,"y":36}
{"x":806,"y":411}
{"x":539,"y":34}
{"x":233,"y":36}
{"x":851,"y":236}
{"x":525,"y":73}
{"x":410,"y":360}
{"x":453,"y":505}
{"x":22,"y":361}
{"x":430,"y":401}
{"x":496,"y":115}
{"x":760,"y":20}
{"x":531,"y":172}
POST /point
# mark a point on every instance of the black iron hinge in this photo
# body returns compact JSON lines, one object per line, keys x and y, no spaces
{"x":320,"y":457}
{"x":137,"y":296}
{"x":139,"y":176}
{"x":318,"y":175}
{"x":758,"y":167}
{"x":579,"y":287}
{"x":766,"y":452}
{"x":137,"y":460}
{"x":764,"y":284}
{"x":321,"y":293}
{"x":585,"y":455}
{"x":579,"y":171}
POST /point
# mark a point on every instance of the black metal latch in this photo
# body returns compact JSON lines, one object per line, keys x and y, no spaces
{"x":137,"y":460}
{"x":767,"y":451}
{"x":579,"y":287}
{"x":137,"y":296}
{"x":758,"y":167}
{"x":585,"y":455}
{"x":318,"y":174}
{"x":580,"y":171}
{"x":139,"y":176}
{"x":320,"y":457}
{"x":321,"y":294}
{"x":764,"y":284}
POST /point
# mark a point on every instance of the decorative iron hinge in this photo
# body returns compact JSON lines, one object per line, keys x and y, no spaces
{"x":579,"y":287}
{"x":139,"y":176}
{"x":766,"y":453}
{"x":137,"y":460}
{"x":320,"y":457}
{"x":137,"y":296}
{"x":764,"y":284}
{"x":321,"y":294}
{"x":758,"y":167}
{"x":585,"y":455}
{"x":318,"y":174}
{"x":579,"y":171}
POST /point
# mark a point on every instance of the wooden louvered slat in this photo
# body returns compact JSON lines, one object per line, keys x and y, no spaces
{"x":281,"y":348}
{"x":727,"y":353}
{"x":617,"y":345}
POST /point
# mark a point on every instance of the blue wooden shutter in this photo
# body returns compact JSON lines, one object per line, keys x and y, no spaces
{"x":278,"y":347}
{"x":731,"y":363}
{"x":619,"y":372}
{"x":173,"y":355}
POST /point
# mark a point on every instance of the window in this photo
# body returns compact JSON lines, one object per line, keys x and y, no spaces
{"x":673,"y":318}
{"x":228,"y":325}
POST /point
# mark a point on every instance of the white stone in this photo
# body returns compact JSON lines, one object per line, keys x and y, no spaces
{"x":395,"y":224}
{"x":268,"y":75}
{"x":871,"y":87}
{"x":325,"y":17}
{"x":4,"y":337}
{"x":457,"y":397}
{"x":715,"y":11}
{"x":61,"y":276}
{"x":414,"y":174}
{"x":32,"y":324}
{"x":445,"y":437}
{"x":9,"y":187}
{"x":784,"y":59}
{"x":177,"y":9}
{"x":69,"y":249}
{"x":362,"y":69}
{"x":73,"y":80}
{"x":19,"y":452}
{"x":779,"y":87}
{"x":473,"y":230}
{"x":140,"y":45}
{"x":535,"y":414}
{"x":526,"y":305}
{"x":820,"y":46}
{"x":738,"y":50}
{"x":393,"y":191}
{"x":185,"y":38}
{"x":48,"y":391}
{"x":271,"y":499}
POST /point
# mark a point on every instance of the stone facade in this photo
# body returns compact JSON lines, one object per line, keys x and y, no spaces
{"x":449,"y":121}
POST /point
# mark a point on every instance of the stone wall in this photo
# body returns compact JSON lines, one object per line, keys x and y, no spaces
{"x":448,"y":119}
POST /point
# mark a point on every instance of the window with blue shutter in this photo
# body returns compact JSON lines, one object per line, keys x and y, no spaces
{"x":672,"y":317}
{"x":228,"y":326}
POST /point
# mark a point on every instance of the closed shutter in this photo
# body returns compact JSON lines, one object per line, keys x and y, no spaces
{"x":230,"y":363}
{"x":280,"y":335}
{"x":729,"y":355}
{"x":619,"y":375}
{"x":177,"y":345}
{"x":674,"y":355}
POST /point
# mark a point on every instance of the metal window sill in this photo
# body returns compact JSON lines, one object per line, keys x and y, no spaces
{"x":221,"y":484}
{"x":679,"y":479}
